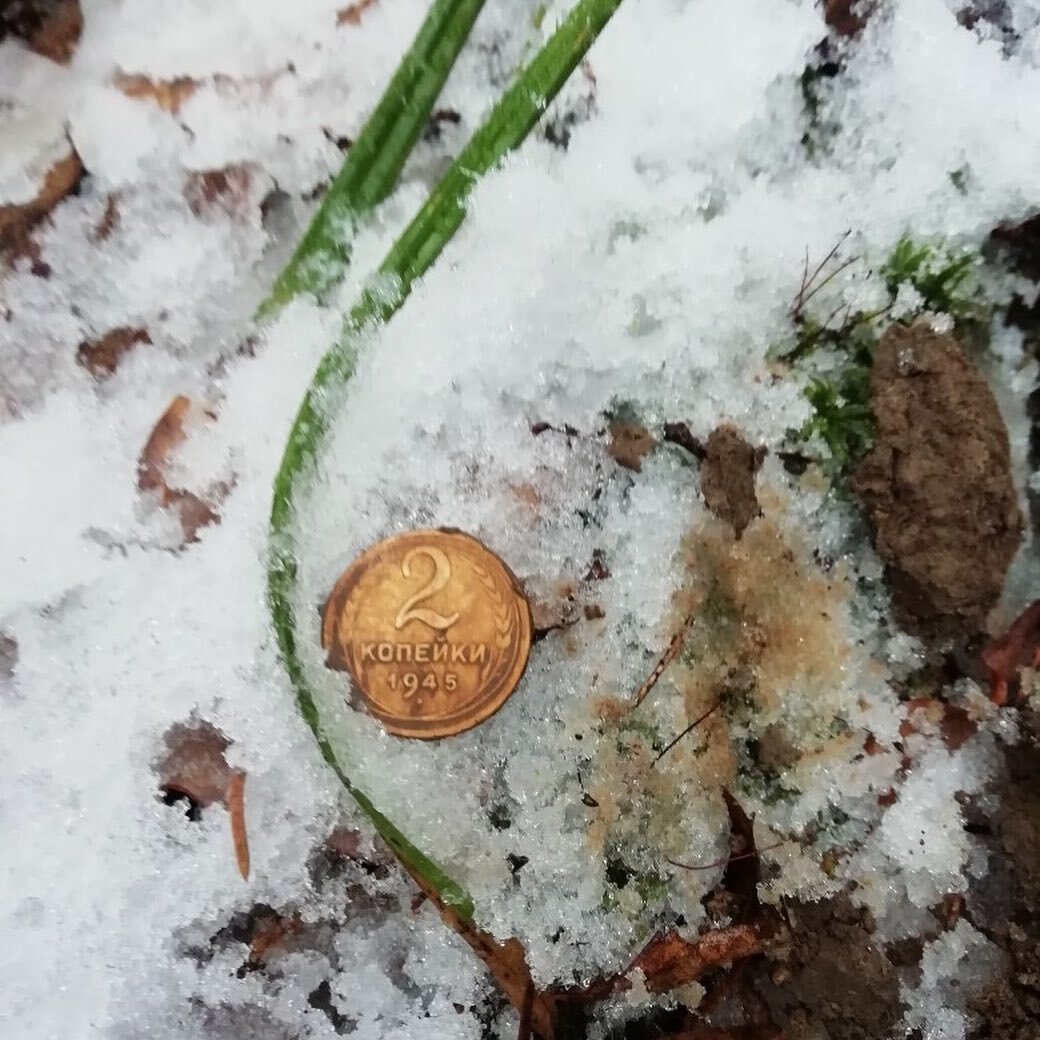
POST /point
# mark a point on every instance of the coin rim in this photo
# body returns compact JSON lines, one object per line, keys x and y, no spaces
{"x":395,"y":724}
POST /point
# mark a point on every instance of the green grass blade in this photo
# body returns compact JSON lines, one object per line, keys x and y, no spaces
{"x":411,"y":255}
{"x":374,"y":161}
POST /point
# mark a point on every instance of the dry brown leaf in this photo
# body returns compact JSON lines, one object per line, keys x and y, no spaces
{"x":629,"y":443}
{"x":194,"y":764}
{"x":17,"y":218}
{"x":670,"y":960}
{"x":272,"y":933}
{"x":506,"y":963}
{"x":847,"y":17}
{"x":226,"y":189}
{"x":59,"y":32}
{"x":954,"y":722}
{"x":168,"y":94}
{"x":101,"y":356}
{"x":109,"y":219}
{"x":164,"y":438}
{"x":1006,"y":656}
{"x":195,"y":512}
{"x":351,"y":14}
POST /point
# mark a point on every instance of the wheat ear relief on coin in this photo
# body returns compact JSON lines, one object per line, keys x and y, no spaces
{"x":433,"y":628}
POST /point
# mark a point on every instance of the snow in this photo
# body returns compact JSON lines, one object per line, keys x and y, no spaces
{"x":650,"y":265}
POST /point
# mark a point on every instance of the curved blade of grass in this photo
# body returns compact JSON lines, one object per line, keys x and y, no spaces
{"x":375,"y":159}
{"x":411,"y":255}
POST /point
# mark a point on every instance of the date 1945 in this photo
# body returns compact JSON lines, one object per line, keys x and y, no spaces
{"x":411,"y":682}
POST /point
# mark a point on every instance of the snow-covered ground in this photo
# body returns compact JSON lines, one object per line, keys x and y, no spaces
{"x":650,"y":264}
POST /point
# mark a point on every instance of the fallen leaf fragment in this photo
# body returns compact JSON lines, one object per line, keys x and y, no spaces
{"x":226,"y":190}
{"x":194,"y":511}
{"x":167,"y":434}
{"x":271,"y":934}
{"x":194,"y":764}
{"x":669,"y":960}
{"x":955,"y":724}
{"x":109,"y":219}
{"x":42,"y":165}
{"x":629,"y":443}
{"x":101,"y":356}
{"x":59,"y":32}
{"x":1009,"y":654}
{"x":168,"y":94}
{"x":236,"y":810}
{"x":847,"y":17}
{"x":351,"y":14}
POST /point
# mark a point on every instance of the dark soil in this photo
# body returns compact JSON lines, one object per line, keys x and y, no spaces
{"x":728,"y":467}
{"x":832,"y":981}
{"x":1009,"y":1009}
{"x":937,"y":484}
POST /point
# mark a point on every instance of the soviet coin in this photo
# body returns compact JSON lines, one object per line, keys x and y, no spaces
{"x":433,"y":628}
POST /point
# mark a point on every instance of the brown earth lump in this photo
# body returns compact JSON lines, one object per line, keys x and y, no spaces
{"x":937,"y":484}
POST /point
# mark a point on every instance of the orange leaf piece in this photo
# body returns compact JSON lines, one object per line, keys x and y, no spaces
{"x":168,"y":94}
{"x":237,"y":812}
{"x":194,"y":512}
{"x":351,"y":14}
{"x":1007,"y":655}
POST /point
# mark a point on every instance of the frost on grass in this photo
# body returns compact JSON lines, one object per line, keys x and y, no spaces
{"x":646,"y":272}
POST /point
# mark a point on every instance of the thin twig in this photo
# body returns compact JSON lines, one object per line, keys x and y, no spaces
{"x":726,"y":860}
{"x":844,"y":265}
{"x":800,"y":299}
{"x":693,"y":725}
{"x":236,"y":810}
{"x":674,"y":646}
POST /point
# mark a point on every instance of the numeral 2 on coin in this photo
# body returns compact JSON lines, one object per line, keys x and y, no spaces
{"x":441,"y":576}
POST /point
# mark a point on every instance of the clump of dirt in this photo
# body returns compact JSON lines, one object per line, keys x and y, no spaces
{"x":1010,"y":1006}
{"x":937,"y":484}
{"x":843,"y":984}
{"x":728,"y":467}
{"x":629,"y":443}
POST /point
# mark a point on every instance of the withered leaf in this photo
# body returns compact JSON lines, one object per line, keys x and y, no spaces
{"x":101,"y":356}
{"x":109,"y":219}
{"x":168,"y":94}
{"x":194,"y":511}
{"x":954,"y":722}
{"x":226,"y":190}
{"x":847,"y":17}
{"x":1016,"y":649}
{"x":59,"y":32}
{"x":194,"y":764}
{"x":669,"y":960}
{"x":743,"y":869}
{"x":351,"y":14}
{"x":60,"y":179}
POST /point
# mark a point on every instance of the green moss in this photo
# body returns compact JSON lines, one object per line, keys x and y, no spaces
{"x":620,"y":874}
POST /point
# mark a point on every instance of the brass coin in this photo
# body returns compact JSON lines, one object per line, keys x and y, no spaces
{"x":434,"y":630}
